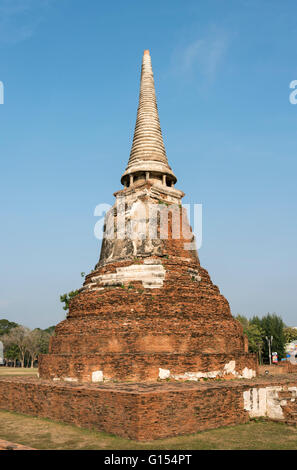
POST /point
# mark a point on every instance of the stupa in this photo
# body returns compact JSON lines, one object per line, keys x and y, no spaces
{"x":148,"y":311}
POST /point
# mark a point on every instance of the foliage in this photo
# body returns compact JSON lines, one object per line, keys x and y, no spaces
{"x":290,"y":334}
{"x":24,"y":345}
{"x":43,"y":342}
{"x":50,"y":330}
{"x":257,"y":329}
{"x":65,"y":298}
{"x":37,"y":342}
{"x":18,"y":337}
{"x":11,"y":353}
{"x":255,"y":337}
{"x":254,"y":334}
{"x":243,"y":320}
{"x":273,"y":325}
{"x":6,"y":326}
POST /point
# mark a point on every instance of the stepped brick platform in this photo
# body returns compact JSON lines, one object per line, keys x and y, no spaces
{"x":133,"y":333}
{"x":147,"y":411}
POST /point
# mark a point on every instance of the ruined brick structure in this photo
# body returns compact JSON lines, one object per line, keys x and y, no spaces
{"x":148,"y":311}
{"x":150,"y":342}
{"x":153,"y":410}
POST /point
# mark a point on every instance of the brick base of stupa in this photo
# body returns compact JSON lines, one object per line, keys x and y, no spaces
{"x":182,"y":328}
{"x":146,"y":367}
{"x":147,"y":411}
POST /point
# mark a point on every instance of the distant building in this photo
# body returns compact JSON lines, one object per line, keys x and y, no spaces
{"x":291,"y":349}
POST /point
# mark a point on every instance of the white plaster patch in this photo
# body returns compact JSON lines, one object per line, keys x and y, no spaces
{"x":294,"y":391}
{"x":197,"y":375}
{"x":266,"y":402}
{"x":70,"y":379}
{"x":194,"y":274}
{"x":97,"y":376}
{"x":229,"y":368}
{"x":247,"y":400}
{"x":273,"y":406}
{"x":164,"y":374}
{"x":151,"y":275}
{"x":248,"y":373}
{"x":255,"y":402}
{"x":152,"y":261}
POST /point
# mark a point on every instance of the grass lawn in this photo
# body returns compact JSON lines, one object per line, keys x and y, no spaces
{"x":18,"y":371}
{"x":45,"y":434}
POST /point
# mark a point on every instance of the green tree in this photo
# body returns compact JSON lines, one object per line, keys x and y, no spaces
{"x":272,"y":325}
{"x":50,"y":330}
{"x":290,"y":334}
{"x":243,"y":320}
{"x":254,"y":334}
{"x":37,"y":343}
{"x":17,"y":336}
{"x":255,"y":337}
{"x":45,"y":337}
{"x":11,"y":353}
{"x":6,"y":326}
{"x":65,"y":298}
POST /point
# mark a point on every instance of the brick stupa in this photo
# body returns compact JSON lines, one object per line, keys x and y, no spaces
{"x":148,"y":311}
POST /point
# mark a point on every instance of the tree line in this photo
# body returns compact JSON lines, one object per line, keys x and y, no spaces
{"x":23,"y":345}
{"x":257,"y":329}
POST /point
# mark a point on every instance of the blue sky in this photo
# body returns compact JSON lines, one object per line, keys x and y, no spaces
{"x":71,"y":72}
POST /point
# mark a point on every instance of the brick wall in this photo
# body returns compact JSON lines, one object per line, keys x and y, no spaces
{"x":138,"y":366}
{"x":132,"y":414}
{"x":140,"y":411}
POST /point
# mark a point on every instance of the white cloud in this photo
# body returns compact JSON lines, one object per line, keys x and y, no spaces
{"x":203,"y":55}
{"x":19,"y":18}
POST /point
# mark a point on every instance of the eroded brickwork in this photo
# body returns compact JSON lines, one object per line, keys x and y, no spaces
{"x":145,"y":411}
{"x":138,"y":314}
{"x":129,"y":332}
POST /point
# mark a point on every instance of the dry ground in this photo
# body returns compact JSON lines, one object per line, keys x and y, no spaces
{"x":46,"y":434}
{"x":18,"y":371}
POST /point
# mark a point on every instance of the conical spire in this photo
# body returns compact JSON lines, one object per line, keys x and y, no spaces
{"x":148,"y":155}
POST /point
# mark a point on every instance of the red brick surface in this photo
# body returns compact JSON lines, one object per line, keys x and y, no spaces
{"x":137,"y":411}
{"x":121,"y":366}
{"x":130,"y":333}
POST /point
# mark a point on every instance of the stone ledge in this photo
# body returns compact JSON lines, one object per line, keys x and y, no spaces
{"x":148,"y":387}
{"x":141,"y":411}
